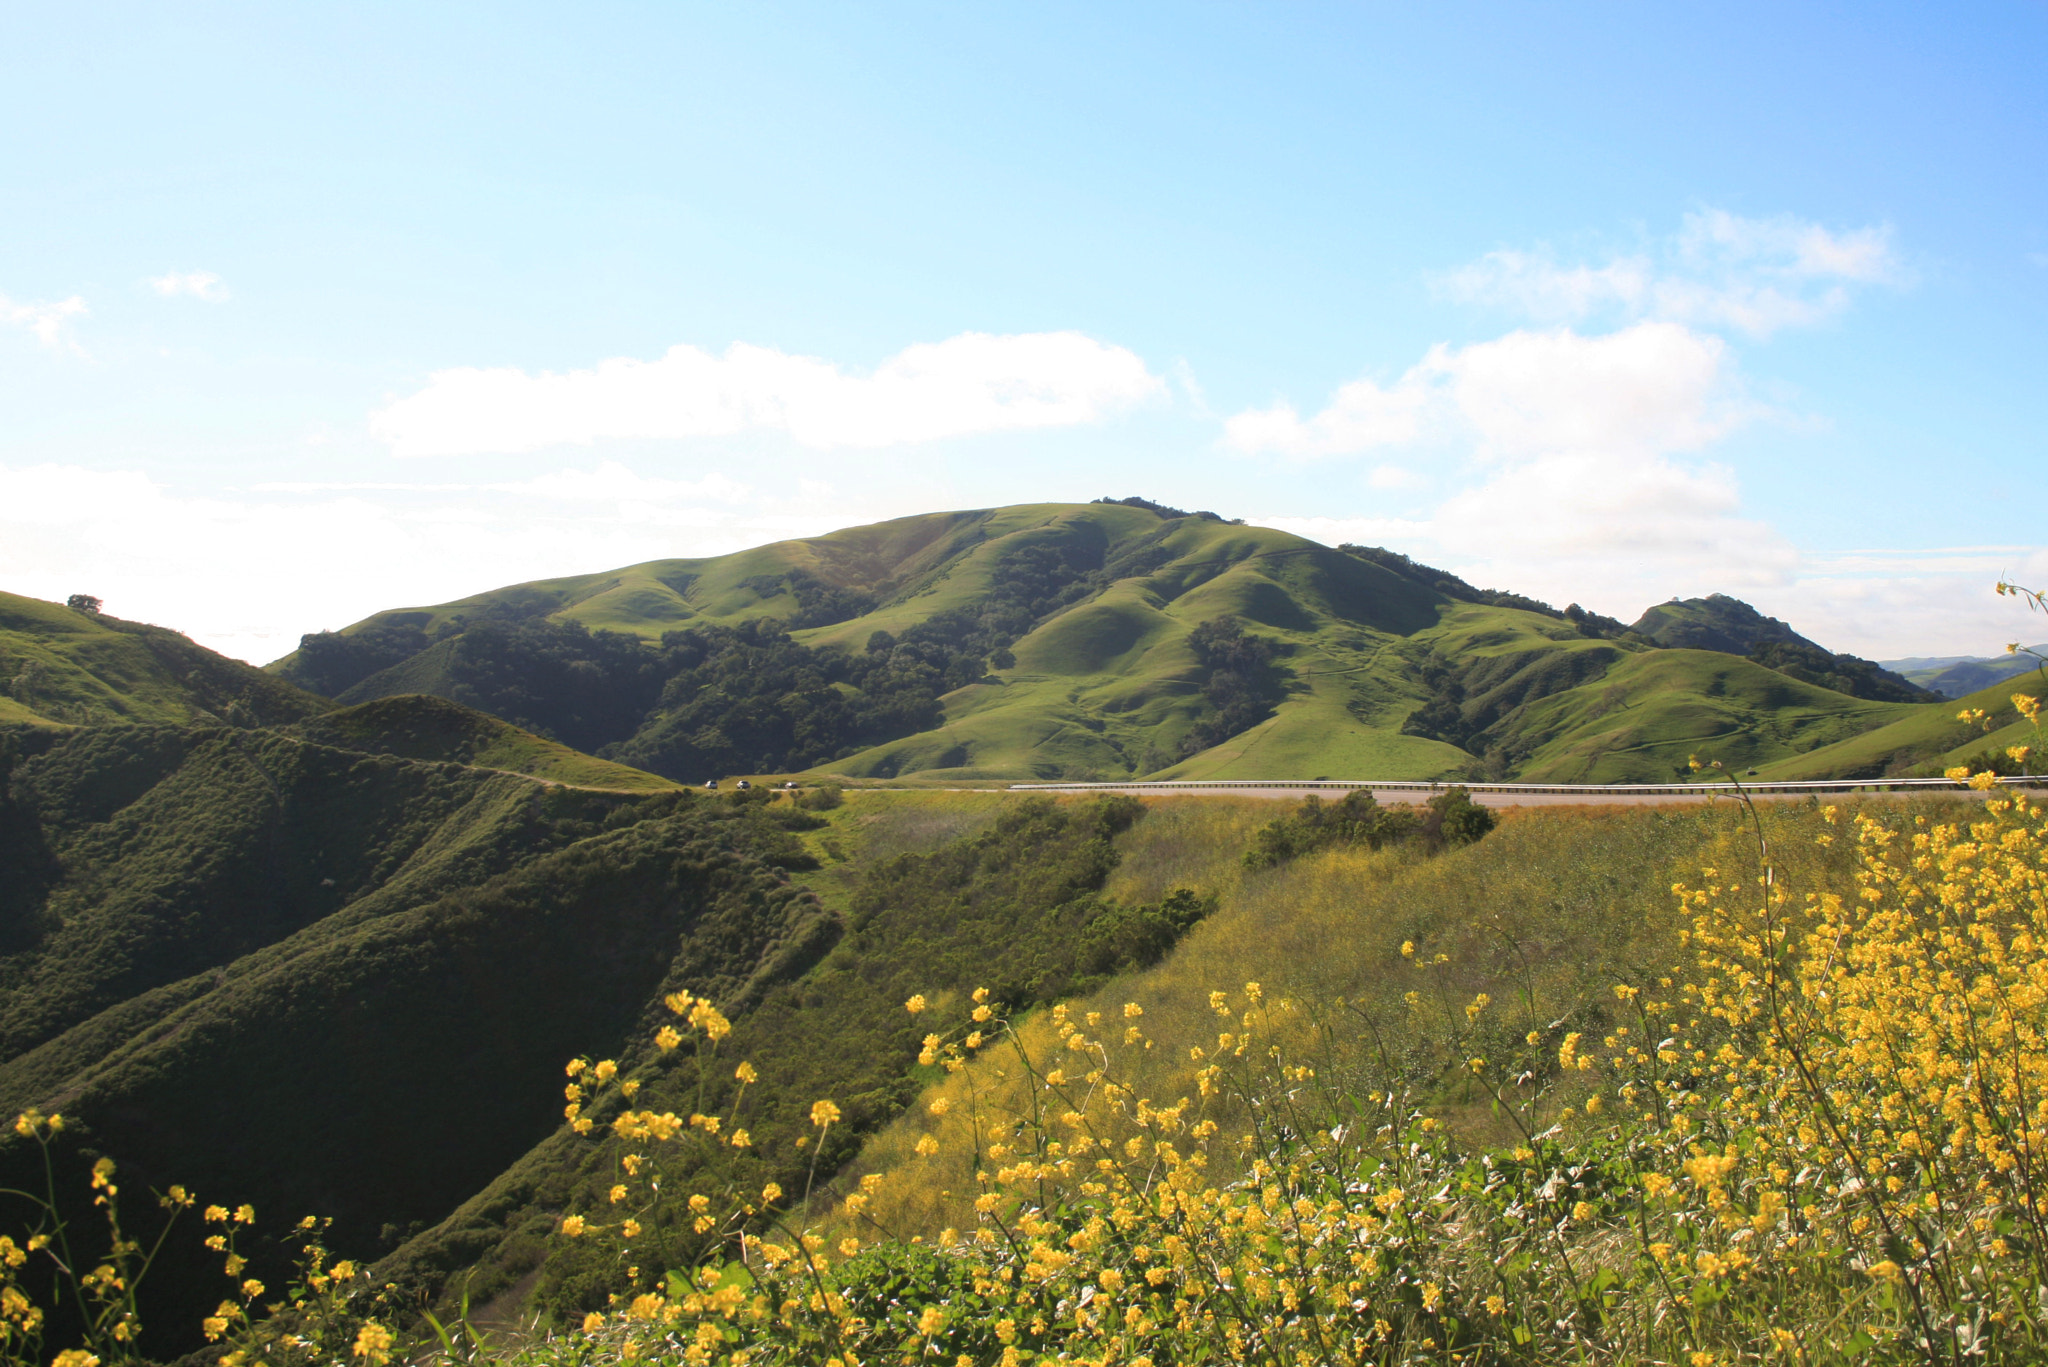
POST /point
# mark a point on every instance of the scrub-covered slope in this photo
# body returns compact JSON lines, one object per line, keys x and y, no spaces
{"x":325,"y":980}
{"x":1060,"y":641}
{"x":419,"y":726}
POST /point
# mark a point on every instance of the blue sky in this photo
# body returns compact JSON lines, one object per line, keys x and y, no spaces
{"x":307,"y":311}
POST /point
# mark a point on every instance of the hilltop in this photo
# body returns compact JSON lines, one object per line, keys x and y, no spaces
{"x":60,"y":666}
{"x":1718,"y":622}
{"x":1106,"y":640}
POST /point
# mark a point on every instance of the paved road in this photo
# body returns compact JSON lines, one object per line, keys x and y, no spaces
{"x":1524,"y":794}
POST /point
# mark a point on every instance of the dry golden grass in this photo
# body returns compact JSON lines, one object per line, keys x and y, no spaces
{"x":1543,"y":916}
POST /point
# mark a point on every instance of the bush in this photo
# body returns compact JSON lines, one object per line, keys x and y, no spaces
{"x":1355,"y":819}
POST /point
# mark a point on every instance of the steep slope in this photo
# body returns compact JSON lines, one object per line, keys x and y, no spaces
{"x":326,"y":980}
{"x":1045,"y":641}
{"x":319,"y":979}
{"x":1015,"y":905}
{"x":60,"y":666}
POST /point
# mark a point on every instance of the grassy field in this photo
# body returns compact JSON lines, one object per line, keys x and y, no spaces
{"x":1555,"y":906}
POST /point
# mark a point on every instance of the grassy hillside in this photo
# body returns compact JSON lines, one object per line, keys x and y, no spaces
{"x":344,"y":980}
{"x":61,"y":667}
{"x":1732,"y":626}
{"x":1924,"y":741}
{"x":1068,"y":641}
{"x":1546,"y":913}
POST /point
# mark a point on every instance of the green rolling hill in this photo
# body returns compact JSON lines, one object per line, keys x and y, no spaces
{"x":329,"y":953}
{"x":1929,"y":740}
{"x":62,"y":667}
{"x":1956,"y":676}
{"x":1102,"y":641}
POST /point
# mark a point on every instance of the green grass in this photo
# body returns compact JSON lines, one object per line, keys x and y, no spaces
{"x":61,"y":667}
{"x":1922,"y":741}
{"x":1109,"y":687}
{"x":318,"y":978}
{"x":1643,"y":720}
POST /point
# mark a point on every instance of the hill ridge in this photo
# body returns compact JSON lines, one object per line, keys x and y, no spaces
{"x":1050,"y":641}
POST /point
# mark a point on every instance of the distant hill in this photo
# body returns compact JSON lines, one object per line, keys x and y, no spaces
{"x":1953,"y":676}
{"x":63,"y":667}
{"x":1924,"y":741}
{"x":1718,"y":622}
{"x":1103,"y":640}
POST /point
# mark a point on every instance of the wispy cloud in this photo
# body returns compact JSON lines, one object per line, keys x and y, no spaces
{"x":193,"y":284}
{"x":48,"y":321}
{"x":969,"y":384}
{"x":1720,"y":270}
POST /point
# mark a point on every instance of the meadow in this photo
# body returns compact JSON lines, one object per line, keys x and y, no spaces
{"x":1607,"y":1086}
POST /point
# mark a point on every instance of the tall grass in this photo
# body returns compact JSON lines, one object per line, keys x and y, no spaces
{"x":1547,"y":913}
{"x":1793,"y":1113}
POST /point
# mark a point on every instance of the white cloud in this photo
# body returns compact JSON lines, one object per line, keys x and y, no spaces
{"x":1614,"y":532}
{"x":324,"y":556}
{"x":1394,"y":477}
{"x":1650,"y":387}
{"x":1358,"y":531}
{"x":1755,"y":275}
{"x":972,"y":383}
{"x":46,"y":321}
{"x":1359,"y":416}
{"x":198,"y":284}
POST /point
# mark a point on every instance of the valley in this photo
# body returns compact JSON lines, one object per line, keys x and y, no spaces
{"x":323,"y":937}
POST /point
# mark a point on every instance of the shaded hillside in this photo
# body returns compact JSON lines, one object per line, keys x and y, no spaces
{"x":1015,"y":906}
{"x":419,"y":726}
{"x":320,"y":979}
{"x":62,"y":666}
{"x":328,"y":980}
{"x":1049,"y":641}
